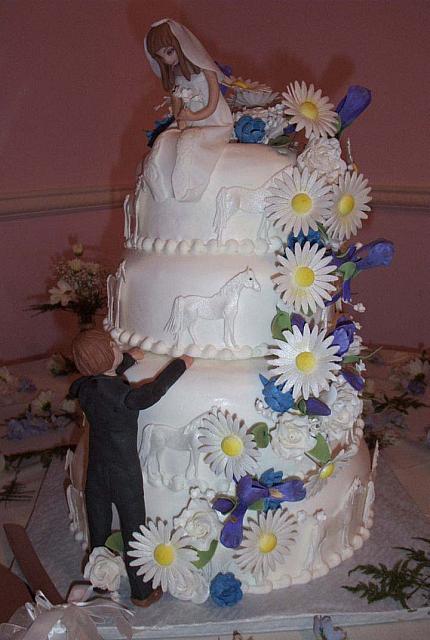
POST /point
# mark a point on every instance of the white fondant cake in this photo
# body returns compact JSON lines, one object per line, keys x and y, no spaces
{"x":255,"y":459}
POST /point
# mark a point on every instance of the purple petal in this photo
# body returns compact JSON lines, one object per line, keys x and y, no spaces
{"x":353,"y":104}
{"x":353,"y":379}
{"x":223,"y":505}
{"x":290,"y":490}
{"x":316,"y":407}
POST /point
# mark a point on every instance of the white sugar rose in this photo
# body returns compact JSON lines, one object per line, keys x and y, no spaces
{"x":104,"y":569}
{"x":195,"y":587}
{"x":345,"y":407}
{"x":200,"y":522}
{"x":291,"y":438}
{"x":324,"y":156}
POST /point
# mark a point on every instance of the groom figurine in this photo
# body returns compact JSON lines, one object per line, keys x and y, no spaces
{"x":112,"y":407}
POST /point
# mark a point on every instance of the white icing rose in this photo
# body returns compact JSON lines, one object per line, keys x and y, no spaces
{"x":200,"y":522}
{"x":104,"y":569}
{"x":345,"y":407}
{"x":291,"y":437}
{"x":194,"y":587}
{"x":324,"y":156}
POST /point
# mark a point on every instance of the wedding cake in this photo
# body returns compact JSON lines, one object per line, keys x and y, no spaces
{"x":254,"y":463}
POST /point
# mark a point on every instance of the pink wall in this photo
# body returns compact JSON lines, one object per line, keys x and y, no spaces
{"x":77,"y":93}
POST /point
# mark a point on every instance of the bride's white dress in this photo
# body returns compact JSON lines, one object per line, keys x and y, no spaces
{"x":181,"y":162}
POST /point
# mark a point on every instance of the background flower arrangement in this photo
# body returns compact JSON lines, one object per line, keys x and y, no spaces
{"x":80,"y":287}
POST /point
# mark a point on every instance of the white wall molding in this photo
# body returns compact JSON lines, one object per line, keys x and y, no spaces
{"x":397,"y":197}
{"x":33,"y":204}
{"x":62,"y":201}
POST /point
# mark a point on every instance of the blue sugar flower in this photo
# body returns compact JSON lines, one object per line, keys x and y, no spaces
{"x":352,"y":105}
{"x":249,"y":129}
{"x":274,"y":397}
{"x":225,"y":590}
{"x":270,"y":477}
{"x":324,"y":630}
{"x":160,"y":126}
{"x":312,"y":236}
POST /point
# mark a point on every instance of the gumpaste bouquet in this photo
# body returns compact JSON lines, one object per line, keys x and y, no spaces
{"x":80,"y":287}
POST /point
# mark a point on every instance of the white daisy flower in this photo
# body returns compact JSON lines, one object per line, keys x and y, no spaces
{"x":231,"y":451}
{"x":298,"y":200}
{"x":305,"y":277}
{"x":310,"y":111}
{"x":42,"y":404}
{"x":162,"y":556}
{"x":267,"y":543}
{"x":305,"y":362}
{"x":63,"y":293}
{"x":349,"y":206}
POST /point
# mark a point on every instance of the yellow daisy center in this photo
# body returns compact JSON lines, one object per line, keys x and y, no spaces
{"x":301,"y":203}
{"x":164,"y":554}
{"x":309,"y":110}
{"x":267,"y":542}
{"x":232,"y":446}
{"x":306,"y":362}
{"x":327,"y":470}
{"x":304,"y":276}
{"x":346,"y":204}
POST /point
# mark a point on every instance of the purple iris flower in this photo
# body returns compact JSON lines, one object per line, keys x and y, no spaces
{"x":248,"y":491}
{"x":378,"y":253}
{"x":290,"y":129}
{"x":25,"y":385}
{"x":417,"y":386}
{"x":298,"y":321}
{"x":343,"y":335}
{"x":274,"y":397}
{"x":227,"y":71}
{"x":353,"y":104}
{"x":316,"y":407}
{"x":324,"y":630}
{"x":353,"y":379}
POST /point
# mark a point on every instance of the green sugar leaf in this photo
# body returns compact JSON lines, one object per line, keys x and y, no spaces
{"x":205,"y":556}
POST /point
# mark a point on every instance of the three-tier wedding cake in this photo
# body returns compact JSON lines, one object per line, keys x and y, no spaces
{"x":254,"y":464}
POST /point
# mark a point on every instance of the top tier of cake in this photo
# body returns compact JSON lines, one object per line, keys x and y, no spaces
{"x":228,"y":218}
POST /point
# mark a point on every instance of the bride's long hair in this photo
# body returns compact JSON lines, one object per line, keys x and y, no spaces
{"x":159,"y":37}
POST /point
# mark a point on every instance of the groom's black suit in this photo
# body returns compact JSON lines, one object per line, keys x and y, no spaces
{"x":111,"y":407}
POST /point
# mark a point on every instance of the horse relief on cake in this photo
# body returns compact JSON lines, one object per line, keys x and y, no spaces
{"x":222,"y":305}
{"x":157,"y":440}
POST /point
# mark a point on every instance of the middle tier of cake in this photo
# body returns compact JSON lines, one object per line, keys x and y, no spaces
{"x":209,"y":306}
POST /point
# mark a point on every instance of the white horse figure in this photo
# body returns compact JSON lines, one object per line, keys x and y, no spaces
{"x":156,"y":438}
{"x":186,"y":310}
{"x":231,"y":200}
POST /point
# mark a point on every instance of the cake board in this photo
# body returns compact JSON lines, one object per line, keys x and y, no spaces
{"x":397,"y":521}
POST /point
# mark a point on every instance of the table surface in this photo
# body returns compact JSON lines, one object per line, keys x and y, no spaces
{"x":408,"y":459}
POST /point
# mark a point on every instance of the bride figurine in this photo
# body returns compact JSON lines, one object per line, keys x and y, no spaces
{"x":184,"y":156}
